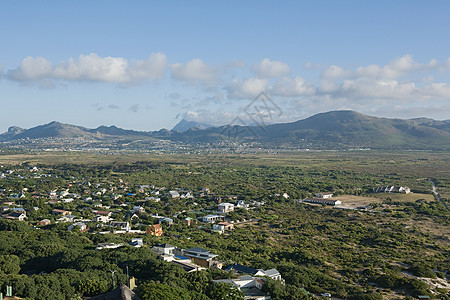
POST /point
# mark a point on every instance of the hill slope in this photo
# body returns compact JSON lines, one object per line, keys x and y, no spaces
{"x":330,"y":130}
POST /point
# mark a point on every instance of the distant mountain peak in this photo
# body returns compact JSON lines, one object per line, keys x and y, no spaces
{"x":185,"y":125}
{"x":15,"y":129}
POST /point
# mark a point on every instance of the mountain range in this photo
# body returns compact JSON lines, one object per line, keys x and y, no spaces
{"x":330,"y":130}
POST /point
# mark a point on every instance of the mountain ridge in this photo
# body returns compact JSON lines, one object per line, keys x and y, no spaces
{"x":328,"y":130}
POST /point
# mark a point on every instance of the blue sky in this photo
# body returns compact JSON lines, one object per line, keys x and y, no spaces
{"x":145,"y":65}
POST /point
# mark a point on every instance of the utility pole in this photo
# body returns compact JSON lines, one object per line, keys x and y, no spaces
{"x":113,"y":279}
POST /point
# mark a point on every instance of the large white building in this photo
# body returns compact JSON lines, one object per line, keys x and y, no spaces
{"x":225,"y":207}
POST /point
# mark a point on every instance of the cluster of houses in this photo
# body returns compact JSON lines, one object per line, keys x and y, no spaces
{"x":191,"y":260}
{"x":250,"y":281}
{"x":392,"y":189}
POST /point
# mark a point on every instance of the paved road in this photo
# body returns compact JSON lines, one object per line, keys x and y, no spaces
{"x":435,"y":191}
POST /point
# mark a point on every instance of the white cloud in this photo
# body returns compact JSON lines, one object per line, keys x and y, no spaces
{"x":334,"y":71}
{"x":195,"y":72}
{"x":150,"y":69}
{"x":267,"y":68}
{"x":90,"y":68}
{"x":31,"y":68}
{"x":216,"y":118}
{"x":246,"y":89}
{"x":292,"y":87}
{"x":398,"y":67}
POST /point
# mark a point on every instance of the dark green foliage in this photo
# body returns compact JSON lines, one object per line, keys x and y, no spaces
{"x":224,"y":291}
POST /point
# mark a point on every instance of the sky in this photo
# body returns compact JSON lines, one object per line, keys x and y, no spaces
{"x":146,"y":65}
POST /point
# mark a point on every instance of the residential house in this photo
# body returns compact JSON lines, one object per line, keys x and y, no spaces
{"x":155,"y":230}
{"x":137,"y":242}
{"x":122,"y":292}
{"x":187,"y":265}
{"x":174,"y":194}
{"x":101,"y":246}
{"x":203,"y":257}
{"x":188,"y":195}
{"x":249,"y":285}
{"x":242,"y":204}
{"x":392,"y":189}
{"x":121,"y":226}
{"x":222,"y":227}
{"x":404,"y":190}
{"x":20,"y":216}
{"x":155,"y":199}
{"x":324,"y":195}
{"x":225,"y":207}
{"x":212,"y":218}
{"x":138,"y":209}
{"x":163,"y":249}
{"x":82,"y":226}
{"x":44,"y":222}
{"x":61,"y":212}
{"x":103,"y":213}
{"x":102,"y":219}
{"x":131,"y":215}
{"x":188,"y":221}
{"x":66,"y":218}
{"x":240,"y":269}
{"x":322,"y":201}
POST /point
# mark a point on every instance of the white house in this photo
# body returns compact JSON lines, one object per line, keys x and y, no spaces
{"x":324,"y":195}
{"x":108,"y":246}
{"x":174,"y":194}
{"x":81,"y":225}
{"x":137,"y":242}
{"x":225,"y":207}
{"x":121,"y":226}
{"x":212,"y":218}
{"x":102,"y":218}
{"x":163,"y":249}
{"x":250,"y":286}
{"x":404,"y":190}
{"x":242,"y":204}
{"x":323,"y":201}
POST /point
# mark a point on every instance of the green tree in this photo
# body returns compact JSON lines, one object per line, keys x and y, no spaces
{"x":9,"y":264}
{"x":224,"y":291}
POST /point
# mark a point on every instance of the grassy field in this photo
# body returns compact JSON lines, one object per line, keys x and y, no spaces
{"x":411,"y":197}
{"x":419,"y":165}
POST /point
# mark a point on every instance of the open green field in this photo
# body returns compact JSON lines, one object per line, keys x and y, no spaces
{"x":417,"y":165}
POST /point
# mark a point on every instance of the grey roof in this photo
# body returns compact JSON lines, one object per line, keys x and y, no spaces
{"x":198,"y":249}
{"x":120,"y":293}
{"x":272,"y":272}
{"x":15,"y":214}
{"x":165,"y":246}
{"x":242,"y":269}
